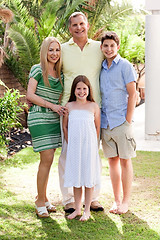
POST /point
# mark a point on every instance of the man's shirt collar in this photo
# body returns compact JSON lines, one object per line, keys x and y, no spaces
{"x":71,"y":42}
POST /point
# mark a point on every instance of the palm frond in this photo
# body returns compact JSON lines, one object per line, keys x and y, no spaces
{"x":47,"y":20}
{"x":21,"y":14}
{"x":26,"y":43}
{"x":95,"y":14}
{"x":25,"y":53}
{"x":66,"y":8}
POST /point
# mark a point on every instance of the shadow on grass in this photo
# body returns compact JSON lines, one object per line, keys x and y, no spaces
{"x":136,"y":228}
{"x":99,"y":226}
{"x":19,"y":221}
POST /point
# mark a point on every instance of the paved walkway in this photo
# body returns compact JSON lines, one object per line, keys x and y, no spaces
{"x":139,"y":127}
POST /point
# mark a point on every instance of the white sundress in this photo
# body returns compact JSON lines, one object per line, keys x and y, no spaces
{"x":82,"y":161}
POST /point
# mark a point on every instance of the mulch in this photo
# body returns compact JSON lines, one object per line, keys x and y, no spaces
{"x":18,"y":139}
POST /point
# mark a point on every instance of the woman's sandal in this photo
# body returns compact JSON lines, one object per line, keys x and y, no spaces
{"x":42,"y":212}
{"x":50,"y":207}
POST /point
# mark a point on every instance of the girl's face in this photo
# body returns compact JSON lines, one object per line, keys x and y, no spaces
{"x":81,"y":91}
{"x":54,"y":52}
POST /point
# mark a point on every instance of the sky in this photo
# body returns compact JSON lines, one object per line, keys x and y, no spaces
{"x":136,"y":3}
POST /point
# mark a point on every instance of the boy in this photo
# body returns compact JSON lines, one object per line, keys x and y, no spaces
{"x":118,"y":90}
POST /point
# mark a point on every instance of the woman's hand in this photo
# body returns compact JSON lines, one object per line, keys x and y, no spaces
{"x":61,"y":110}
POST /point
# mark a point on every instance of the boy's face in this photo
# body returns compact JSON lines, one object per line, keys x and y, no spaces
{"x":110,"y":48}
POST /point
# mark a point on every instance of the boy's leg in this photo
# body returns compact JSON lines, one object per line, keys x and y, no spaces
{"x":127,"y":177}
{"x":88,"y":199}
{"x":78,"y":201}
{"x":115,"y":175}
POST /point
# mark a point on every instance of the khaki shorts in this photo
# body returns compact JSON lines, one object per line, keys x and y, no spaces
{"x":119,"y":141}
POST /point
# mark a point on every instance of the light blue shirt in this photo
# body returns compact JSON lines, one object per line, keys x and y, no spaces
{"x":113,"y":83}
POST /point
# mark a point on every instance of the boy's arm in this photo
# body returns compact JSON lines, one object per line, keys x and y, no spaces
{"x":97,"y":119}
{"x":131,"y":89}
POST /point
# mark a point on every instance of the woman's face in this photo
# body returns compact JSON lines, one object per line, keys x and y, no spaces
{"x":54,"y":52}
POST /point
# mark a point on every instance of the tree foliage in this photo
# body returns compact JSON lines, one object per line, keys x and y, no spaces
{"x":35,"y":20}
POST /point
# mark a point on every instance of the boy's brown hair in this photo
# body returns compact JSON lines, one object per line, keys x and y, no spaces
{"x":110,"y":35}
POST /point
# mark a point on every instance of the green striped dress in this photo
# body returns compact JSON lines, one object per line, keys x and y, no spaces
{"x":43,"y":123}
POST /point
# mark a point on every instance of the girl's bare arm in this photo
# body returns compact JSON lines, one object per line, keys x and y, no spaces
{"x":65,"y":127}
{"x":97,"y":119}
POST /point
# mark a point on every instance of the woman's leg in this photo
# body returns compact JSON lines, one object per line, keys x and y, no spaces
{"x":78,"y":201}
{"x":88,"y":199}
{"x":46,"y":159}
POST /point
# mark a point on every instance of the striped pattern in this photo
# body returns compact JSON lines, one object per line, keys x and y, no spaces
{"x":43,"y":123}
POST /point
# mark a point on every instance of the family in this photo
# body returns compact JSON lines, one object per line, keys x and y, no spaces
{"x":82,"y":92}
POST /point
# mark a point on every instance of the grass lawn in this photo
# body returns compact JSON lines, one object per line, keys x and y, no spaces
{"x":18,"y":190}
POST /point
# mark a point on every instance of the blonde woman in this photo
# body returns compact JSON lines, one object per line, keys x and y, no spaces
{"x":44,"y":91}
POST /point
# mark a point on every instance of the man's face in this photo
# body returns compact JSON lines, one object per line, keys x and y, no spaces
{"x":79,"y":27}
{"x":110,"y":48}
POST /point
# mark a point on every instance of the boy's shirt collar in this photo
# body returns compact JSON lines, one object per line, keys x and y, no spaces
{"x":116,"y":60}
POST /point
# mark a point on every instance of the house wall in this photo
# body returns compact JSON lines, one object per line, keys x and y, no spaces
{"x":10,"y":81}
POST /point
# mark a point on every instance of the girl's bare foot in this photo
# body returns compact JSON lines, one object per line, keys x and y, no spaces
{"x":74,"y":214}
{"x":85,"y":216}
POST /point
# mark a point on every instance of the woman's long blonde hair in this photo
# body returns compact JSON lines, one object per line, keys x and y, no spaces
{"x":44,"y":62}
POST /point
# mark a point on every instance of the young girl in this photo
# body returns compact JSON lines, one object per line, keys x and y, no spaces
{"x":81,"y":131}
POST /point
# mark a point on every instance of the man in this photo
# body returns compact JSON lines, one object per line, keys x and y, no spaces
{"x":80,"y":56}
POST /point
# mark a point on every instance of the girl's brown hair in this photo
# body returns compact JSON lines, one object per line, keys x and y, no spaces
{"x":84,"y":79}
{"x":44,"y":62}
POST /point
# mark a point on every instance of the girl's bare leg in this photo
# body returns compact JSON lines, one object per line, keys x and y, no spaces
{"x":78,"y":200}
{"x":88,"y":198}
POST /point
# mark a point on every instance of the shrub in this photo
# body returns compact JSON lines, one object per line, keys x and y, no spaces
{"x":10,"y":107}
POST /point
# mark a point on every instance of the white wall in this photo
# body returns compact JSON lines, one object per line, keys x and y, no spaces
{"x":152,"y":71}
